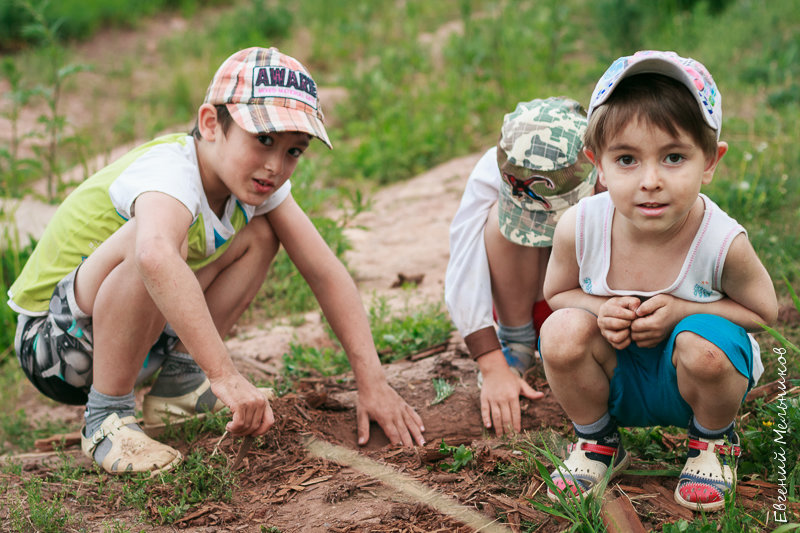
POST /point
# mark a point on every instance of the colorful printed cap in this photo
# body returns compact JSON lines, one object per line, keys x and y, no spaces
{"x":543,"y":167}
{"x":686,"y":70}
{"x":268,"y":91}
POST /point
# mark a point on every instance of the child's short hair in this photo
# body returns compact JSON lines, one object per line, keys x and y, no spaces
{"x":267,"y":91}
{"x":662,"y":89}
{"x":544,"y":170}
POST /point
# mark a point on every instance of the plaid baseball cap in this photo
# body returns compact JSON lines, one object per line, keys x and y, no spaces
{"x":686,"y":70}
{"x":544,"y":170}
{"x":268,"y":91}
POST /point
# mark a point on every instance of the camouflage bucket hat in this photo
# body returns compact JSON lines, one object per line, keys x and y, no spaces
{"x":544,"y":170}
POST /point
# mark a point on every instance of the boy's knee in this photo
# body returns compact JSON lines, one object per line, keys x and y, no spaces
{"x":257,"y":238}
{"x":700,"y":357}
{"x":566,"y":335}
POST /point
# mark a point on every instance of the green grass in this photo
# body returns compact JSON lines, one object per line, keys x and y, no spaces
{"x":38,"y":510}
{"x":396,"y":335}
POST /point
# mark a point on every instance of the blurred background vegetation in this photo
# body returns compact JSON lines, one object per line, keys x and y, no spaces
{"x":405,"y":85}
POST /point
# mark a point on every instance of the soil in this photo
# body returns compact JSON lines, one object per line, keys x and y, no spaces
{"x":281,"y":484}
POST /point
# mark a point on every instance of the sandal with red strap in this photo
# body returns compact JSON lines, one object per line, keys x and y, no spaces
{"x":583,"y":475}
{"x":709,"y":475}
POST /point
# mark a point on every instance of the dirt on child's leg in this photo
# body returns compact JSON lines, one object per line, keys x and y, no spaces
{"x":578,"y":363}
{"x":707,"y":380}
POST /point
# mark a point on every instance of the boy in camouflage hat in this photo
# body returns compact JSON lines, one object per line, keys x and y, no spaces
{"x":500,"y":241}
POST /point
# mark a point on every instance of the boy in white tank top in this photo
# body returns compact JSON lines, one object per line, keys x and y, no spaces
{"x":654,"y":287}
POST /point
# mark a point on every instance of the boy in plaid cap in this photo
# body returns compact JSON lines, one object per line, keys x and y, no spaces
{"x":152,"y":260}
{"x":654,"y":286}
{"x":500,"y":241}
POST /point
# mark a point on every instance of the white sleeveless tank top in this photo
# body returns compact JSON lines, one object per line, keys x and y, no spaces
{"x":700,"y":277}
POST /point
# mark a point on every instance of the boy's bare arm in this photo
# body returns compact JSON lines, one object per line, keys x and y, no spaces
{"x":749,"y":299}
{"x":162,"y":224}
{"x":561,"y":285}
{"x":747,"y":282}
{"x":342,"y":306}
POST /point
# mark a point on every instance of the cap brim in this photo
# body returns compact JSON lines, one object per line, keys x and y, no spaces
{"x":267,"y":118}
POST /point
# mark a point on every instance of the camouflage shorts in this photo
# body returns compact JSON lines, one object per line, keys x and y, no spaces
{"x":55,"y":350}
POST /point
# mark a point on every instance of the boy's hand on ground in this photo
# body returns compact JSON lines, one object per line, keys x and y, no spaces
{"x":500,"y":394}
{"x":252,"y":414}
{"x":399,"y":421}
{"x":656,"y":317}
{"x":615,"y":318}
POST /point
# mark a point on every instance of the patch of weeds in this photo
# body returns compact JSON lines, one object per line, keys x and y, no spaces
{"x":766,"y":442}
{"x":650,"y":443}
{"x":581,"y":511}
{"x":462,"y":456}
{"x":443,"y":390}
{"x":17,"y":432}
{"x":303,"y":361}
{"x":118,"y":527}
{"x":45,"y":513}
{"x":192,"y":429}
{"x":197,"y":480}
{"x":13,"y":258}
{"x":67,"y":469}
{"x":734,"y":519}
{"x":397,"y":337}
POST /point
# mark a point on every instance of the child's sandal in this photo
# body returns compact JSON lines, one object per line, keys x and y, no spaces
{"x":131,"y":451}
{"x":708,"y":476}
{"x":583,"y":475}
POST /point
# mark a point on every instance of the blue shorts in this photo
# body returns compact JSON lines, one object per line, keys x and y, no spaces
{"x":644,"y":388}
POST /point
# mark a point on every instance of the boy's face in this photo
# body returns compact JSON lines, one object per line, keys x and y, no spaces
{"x":253,"y":167}
{"x":654,"y":178}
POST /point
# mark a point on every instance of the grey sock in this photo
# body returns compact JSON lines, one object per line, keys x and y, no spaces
{"x":605,"y":432}
{"x":594,"y":428}
{"x":98,"y":407}
{"x":524,"y":334}
{"x":696,"y":430}
{"x":179,"y":375}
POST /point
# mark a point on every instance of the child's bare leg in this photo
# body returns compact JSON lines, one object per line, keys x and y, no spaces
{"x":230,"y":283}
{"x":578,"y":363}
{"x":708,"y":381}
{"x":125,"y":320}
{"x":517,"y":274}
{"x":714,"y":389}
{"x":125,"y":323}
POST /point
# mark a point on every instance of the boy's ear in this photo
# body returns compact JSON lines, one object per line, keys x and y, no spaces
{"x":711,"y":164}
{"x":207,"y":121}
{"x":590,"y":155}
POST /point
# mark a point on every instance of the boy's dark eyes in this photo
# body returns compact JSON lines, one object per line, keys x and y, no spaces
{"x":266,"y":140}
{"x":674,"y":158}
{"x":626,"y":160}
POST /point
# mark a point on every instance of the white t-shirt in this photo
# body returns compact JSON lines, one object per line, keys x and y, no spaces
{"x":104,"y":202}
